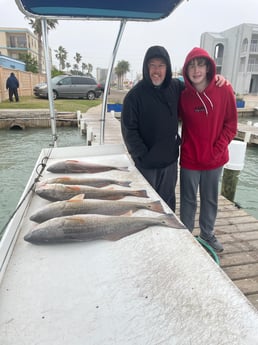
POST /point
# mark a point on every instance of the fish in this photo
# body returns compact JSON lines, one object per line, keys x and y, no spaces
{"x":93,"y":182}
{"x":58,"y":192}
{"x":78,"y":205}
{"x":75,"y":166}
{"x":79,"y":228}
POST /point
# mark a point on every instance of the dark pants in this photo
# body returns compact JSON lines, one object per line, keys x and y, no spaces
{"x":164,"y":182}
{"x":13,"y":92}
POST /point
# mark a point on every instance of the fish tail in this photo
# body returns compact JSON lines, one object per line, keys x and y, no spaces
{"x":171,"y":220}
{"x":156,"y":206}
{"x":123,"y":168}
{"x":124,"y":183}
{"x":141,"y":193}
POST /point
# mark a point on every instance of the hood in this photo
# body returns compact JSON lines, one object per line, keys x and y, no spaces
{"x":157,"y":52}
{"x":195,"y":53}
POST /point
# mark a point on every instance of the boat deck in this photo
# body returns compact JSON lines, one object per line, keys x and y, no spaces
{"x":235,"y":228}
{"x":156,"y":286}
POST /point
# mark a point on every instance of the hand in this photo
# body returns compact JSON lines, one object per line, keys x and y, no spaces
{"x":220,"y":80}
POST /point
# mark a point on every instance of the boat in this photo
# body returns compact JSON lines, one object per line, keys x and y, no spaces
{"x":156,"y":286}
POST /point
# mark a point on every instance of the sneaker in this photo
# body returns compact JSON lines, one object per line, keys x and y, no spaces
{"x":214,"y":243}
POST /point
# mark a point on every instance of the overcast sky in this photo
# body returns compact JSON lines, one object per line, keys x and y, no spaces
{"x":178,"y":33}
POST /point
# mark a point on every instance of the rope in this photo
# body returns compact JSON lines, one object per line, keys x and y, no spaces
{"x":209,"y":249}
{"x":42,"y":167}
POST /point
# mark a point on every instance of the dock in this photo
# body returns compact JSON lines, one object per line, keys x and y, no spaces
{"x":235,"y":228}
{"x":248,"y":133}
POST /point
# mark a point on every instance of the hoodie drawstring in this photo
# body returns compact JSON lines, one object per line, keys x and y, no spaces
{"x":204,"y":105}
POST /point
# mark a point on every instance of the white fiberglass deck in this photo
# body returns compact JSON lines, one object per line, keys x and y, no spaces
{"x":158,"y":286}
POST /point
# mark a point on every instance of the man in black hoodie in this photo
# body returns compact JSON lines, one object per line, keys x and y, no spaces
{"x":12,"y":85}
{"x":149,"y":123}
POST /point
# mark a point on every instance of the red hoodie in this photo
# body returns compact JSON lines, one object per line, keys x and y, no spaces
{"x":209,"y":121}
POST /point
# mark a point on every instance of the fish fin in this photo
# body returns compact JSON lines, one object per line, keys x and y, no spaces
{"x":141,"y":193}
{"x":72,"y":161}
{"x":128,"y":213}
{"x":156,"y":206}
{"x":77,"y":197}
{"x":171,"y":220}
{"x":124,"y":183}
{"x":123,"y":168}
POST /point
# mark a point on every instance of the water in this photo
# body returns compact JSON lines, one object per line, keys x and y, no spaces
{"x":20,"y":151}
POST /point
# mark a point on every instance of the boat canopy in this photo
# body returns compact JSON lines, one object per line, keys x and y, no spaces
{"x":143,"y":10}
{"x":120,"y":10}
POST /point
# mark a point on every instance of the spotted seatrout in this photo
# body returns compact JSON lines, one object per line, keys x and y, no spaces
{"x":75,"y":166}
{"x":58,"y":191}
{"x":78,"y":205}
{"x":95,"y":227}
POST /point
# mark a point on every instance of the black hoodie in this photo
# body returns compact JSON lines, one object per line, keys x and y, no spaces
{"x":149,"y":119}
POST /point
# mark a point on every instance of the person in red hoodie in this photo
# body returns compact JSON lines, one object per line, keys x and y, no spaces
{"x":209,"y":123}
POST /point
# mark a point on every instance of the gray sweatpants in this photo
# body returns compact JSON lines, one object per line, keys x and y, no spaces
{"x":208,"y":183}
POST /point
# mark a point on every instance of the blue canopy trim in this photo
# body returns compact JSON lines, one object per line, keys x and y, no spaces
{"x":144,"y":10}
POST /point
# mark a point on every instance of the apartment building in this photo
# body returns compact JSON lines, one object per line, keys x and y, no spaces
{"x":236,"y":54}
{"x":14,"y":41}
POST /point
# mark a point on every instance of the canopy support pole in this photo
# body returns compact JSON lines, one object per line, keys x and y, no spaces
{"x":49,"y":84}
{"x":104,"y":104}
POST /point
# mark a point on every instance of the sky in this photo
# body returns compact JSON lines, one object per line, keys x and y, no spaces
{"x":178,"y":33}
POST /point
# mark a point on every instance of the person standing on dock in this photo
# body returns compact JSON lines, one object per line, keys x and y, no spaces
{"x":209,"y":123}
{"x":149,"y":123}
{"x":12,"y":85}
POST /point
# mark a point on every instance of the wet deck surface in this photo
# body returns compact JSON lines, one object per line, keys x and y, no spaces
{"x":235,"y":228}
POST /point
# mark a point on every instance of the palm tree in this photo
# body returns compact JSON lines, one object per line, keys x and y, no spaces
{"x":76,"y":68}
{"x":121,"y":69}
{"x":78,"y":59}
{"x":84,"y":66}
{"x":37,"y":29}
{"x":61,"y":55}
{"x":67,"y":65}
{"x":90,"y":69}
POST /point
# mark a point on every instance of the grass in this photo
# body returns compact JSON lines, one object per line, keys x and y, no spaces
{"x":62,"y":105}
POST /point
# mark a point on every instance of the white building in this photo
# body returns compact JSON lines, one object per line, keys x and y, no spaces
{"x":236,"y":54}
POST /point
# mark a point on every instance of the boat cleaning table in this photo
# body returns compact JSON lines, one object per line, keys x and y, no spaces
{"x":158,"y":286}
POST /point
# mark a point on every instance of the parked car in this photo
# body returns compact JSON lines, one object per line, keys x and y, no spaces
{"x":101,"y":85}
{"x":70,"y":86}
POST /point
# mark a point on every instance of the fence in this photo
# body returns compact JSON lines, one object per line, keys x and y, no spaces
{"x":27,"y":81}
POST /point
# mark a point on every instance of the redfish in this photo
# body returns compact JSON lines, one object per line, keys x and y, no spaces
{"x":93,"y":182}
{"x":78,"y":205}
{"x":74,"y":166}
{"x":95,"y":227}
{"x":58,"y":191}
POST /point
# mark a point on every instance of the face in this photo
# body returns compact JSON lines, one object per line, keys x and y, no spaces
{"x":157,"y":71}
{"x":197,"y":70}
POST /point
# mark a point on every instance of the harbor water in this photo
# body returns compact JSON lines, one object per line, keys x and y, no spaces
{"x":20,"y":150}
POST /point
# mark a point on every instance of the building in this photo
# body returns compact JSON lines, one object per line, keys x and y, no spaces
{"x":15,"y":41}
{"x":8,"y":62}
{"x":236,"y":54}
{"x":101,"y":75}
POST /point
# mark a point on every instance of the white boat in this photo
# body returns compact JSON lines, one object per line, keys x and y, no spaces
{"x":157,"y":286}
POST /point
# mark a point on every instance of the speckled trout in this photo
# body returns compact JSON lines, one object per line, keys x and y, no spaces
{"x":75,"y":166}
{"x":87,"y":181}
{"x":95,"y":227}
{"x":78,"y":205}
{"x":58,"y":191}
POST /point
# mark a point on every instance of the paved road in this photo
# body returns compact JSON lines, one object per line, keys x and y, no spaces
{"x":117,"y":96}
